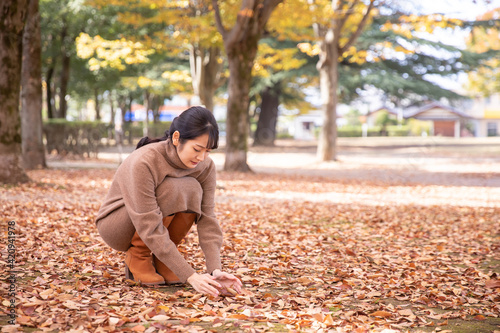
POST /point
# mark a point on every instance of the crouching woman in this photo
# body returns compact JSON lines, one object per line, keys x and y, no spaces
{"x":157,"y":194}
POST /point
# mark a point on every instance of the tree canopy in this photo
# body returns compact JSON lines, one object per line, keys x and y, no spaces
{"x":486,"y":79}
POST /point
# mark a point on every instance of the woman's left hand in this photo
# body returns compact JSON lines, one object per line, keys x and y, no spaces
{"x":227,"y":280}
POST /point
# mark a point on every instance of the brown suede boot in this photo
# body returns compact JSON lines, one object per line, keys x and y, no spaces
{"x":169,"y":277}
{"x":178,"y":226}
{"x":139,"y":264}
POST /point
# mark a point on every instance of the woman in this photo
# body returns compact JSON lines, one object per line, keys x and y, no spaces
{"x":157,"y":193}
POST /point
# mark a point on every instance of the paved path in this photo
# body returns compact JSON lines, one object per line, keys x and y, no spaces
{"x":376,"y":173}
{"x":437,"y":161}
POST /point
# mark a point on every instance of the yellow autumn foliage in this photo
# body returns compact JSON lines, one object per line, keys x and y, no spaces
{"x":270,"y":59}
{"x":111,"y":53}
{"x":486,"y":79}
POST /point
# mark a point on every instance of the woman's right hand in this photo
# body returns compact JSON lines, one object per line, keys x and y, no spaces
{"x":204,"y":283}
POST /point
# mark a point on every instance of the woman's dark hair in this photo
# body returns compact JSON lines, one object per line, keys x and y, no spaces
{"x":191,"y":124}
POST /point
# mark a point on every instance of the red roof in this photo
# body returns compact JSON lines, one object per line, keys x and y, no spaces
{"x":172,"y":109}
{"x":175,"y":109}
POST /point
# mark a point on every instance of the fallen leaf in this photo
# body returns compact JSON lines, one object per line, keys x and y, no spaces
{"x":138,"y":328}
{"x":492,"y":283}
{"x":382,"y":314}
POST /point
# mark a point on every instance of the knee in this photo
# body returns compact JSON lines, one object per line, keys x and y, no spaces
{"x":116,"y":233}
{"x":183,"y":188}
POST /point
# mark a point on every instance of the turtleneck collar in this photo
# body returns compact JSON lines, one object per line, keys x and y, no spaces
{"x":172,"y":157}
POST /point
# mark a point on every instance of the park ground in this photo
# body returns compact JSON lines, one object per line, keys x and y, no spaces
{"x":398,"y":235}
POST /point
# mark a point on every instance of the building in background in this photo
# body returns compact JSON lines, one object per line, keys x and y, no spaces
{"x":371,"y":117}
{"x":486,"y":114}
{"x":445,"y":120}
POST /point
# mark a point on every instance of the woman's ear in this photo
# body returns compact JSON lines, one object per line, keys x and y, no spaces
{"x":175,"y":138}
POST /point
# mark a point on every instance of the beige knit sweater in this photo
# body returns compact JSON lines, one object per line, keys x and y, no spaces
{"x":134,"y":187}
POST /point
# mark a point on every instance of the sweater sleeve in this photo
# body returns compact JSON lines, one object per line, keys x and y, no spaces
{"x":209,"y":231}
{"x":138,"y":183}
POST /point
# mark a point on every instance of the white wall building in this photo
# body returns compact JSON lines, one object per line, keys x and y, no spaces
{"x":486,"y":114}
{"x":306,"y":125}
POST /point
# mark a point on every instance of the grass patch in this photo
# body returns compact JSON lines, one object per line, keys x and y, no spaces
{"x":465,"y":326}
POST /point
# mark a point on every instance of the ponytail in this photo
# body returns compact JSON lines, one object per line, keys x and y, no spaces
{"x":191,"y":124}
{"x":147,"y":140}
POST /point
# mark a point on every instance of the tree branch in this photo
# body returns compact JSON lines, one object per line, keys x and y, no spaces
{"x":346,"y":16}
{"x":218,"y":20}
{"x":358,"y":31}
{"x":267,"y":8}
{"x":242,"y":21}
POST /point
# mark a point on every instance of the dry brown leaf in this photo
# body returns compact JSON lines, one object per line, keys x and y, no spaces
{"x":382,"y":314}
{"x":492,"y":283}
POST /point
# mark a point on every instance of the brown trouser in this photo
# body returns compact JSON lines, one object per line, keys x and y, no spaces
{"x":117,"y":229}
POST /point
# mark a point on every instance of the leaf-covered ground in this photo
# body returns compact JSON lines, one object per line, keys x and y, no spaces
{"x":315,"y":255}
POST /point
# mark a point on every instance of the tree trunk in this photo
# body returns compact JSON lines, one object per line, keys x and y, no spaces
{"x":65,"y":68}
{"x":328,"y":76}
{"x":122,"y":105}
{"x":50,"y":98}
{"x":240,"y":59}
{"x":12,"y":18}
{"x":241,"y":44}
{"x":195,"y":65}
{"x":155,"y":107}
{"x":31,"y":97}
{"x":210,"y":77}
{"x":145,"y":128}
{"x":97,"y":105}
{"x":111,"y":108}
{"x":265,"y":134}
{"x":330,"y":50}
{"x":130,"y":101}
{"x":205,"y":69}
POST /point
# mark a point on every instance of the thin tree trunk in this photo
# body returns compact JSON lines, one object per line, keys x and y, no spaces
{"x":12,"y":19}
{"x":330,"y":50}
{"x":31,"y":98}
{"x":155,"y":107}
{"x":50,"y":98}
{"x":145,"y":128}
{"x":265,"y":134}
{"x":97,"y":105}
{"x":195,"y":65}
{"x":65,"y":68}
{"x":205,"y":67}
{"x":130,"y":101}
{"x":122,"y":104}
{"x":328,"y":75}
{"x":210,"y":77}
{"x":111,"y":108}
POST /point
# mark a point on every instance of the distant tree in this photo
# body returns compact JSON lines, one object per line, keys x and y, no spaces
{"x":61,"y":23}
{"x":12,"y":20}
{"x":182,"y":29}
{"x":407,"y":62}
{"x":385,"y":119}
{"x":31,"y":95}
{"x":398,"y":66}
{"x":281,"y":73}
{"x":265,"y":134}
{"x":352,"y":117}
{"x":343,"y":23}
{"x":485,"y":80}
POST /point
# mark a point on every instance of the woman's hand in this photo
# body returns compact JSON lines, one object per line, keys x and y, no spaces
{"x":205,"y":284}
{"x":227,"y":280}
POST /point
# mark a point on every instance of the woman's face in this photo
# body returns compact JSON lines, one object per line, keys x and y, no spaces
{"x":192,"y":151}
